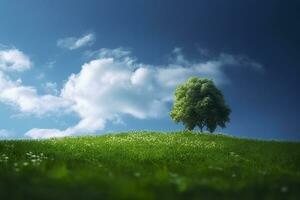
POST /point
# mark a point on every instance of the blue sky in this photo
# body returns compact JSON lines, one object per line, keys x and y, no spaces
{"x":76,"y":67}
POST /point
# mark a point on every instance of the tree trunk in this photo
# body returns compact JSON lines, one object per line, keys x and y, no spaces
{"x":201,"y":128}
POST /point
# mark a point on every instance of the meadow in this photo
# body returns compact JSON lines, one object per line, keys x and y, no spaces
{"x":149,"y":165}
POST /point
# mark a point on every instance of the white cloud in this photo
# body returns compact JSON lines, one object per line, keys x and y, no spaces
{"x":51,"y":64}
{"x":40,"y":76}
{"x":14,"y":60}
{"x":45,"y":133}
{"x":243,"y":61}
{"x":115,"y":84}
{"x":50,"y":88}
{"x":5,"y":134}
{"x":26,"y":99}
{"x":72,"y":43}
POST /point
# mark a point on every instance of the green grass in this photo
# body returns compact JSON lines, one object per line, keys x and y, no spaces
{"x":146,"y":165}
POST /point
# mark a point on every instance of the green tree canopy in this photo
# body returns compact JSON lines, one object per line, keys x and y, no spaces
{"x":198,"y":102}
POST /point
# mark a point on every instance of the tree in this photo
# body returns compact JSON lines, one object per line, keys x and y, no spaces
{"x":198,"y":102}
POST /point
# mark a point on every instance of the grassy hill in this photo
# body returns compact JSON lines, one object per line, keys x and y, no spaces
{"x":146,"y":165}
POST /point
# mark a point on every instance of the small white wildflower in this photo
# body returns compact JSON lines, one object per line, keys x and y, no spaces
{"x":284,"y":189}
{"x":219,"y":168}
{"x":137,"y":174}
{"x":173,"y":175}
{"x":263,"y":172}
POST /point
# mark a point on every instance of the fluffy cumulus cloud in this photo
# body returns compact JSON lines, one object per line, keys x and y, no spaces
{"x":72,"y":43}
{"x":26,"y":99}
{"x":115,"y":84}
{"x":14,"y":60}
